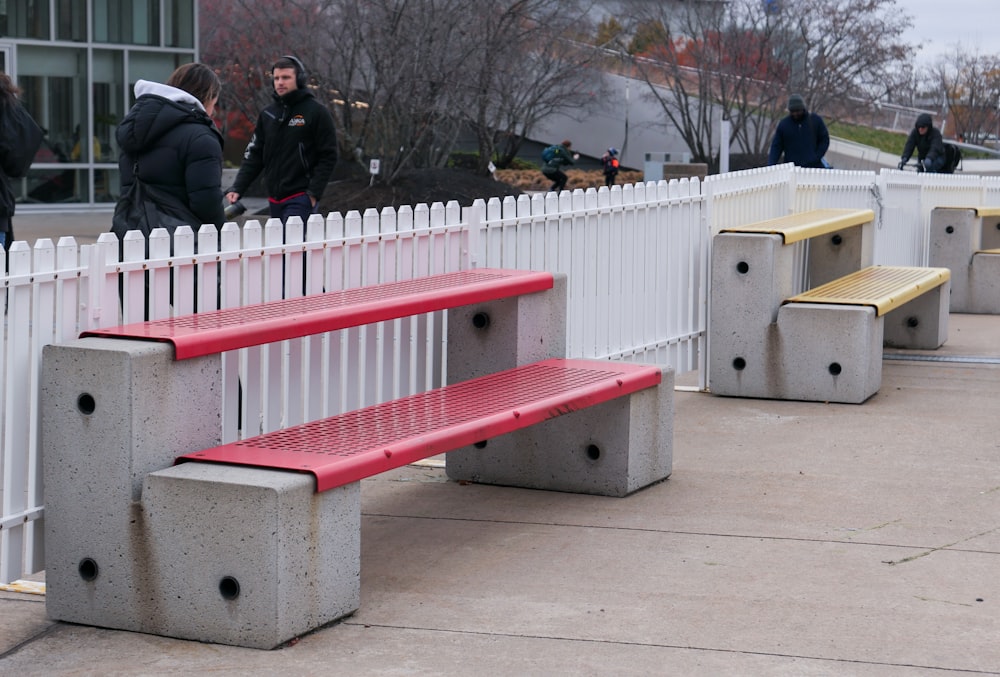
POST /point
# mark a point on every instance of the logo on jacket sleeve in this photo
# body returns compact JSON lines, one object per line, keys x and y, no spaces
{"x":297,"y":121}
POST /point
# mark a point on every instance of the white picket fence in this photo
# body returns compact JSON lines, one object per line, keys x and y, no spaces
{"x":636,"y":259}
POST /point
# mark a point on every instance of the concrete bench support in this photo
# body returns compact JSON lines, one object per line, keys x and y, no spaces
{"x":250,"y":557}
{"x":113,"y":411}
{"x":967,"y":241}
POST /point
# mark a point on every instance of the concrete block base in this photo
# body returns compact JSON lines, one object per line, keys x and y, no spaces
{"x":110,"y":413}
{"x":489,"y":337}
{"x":956,"y":234}
{"x":922,"y":323}
{"x":611,"y":449}
{"x":247,"y":556}
{"x":984,"y":285}
{"x":831,"y":353}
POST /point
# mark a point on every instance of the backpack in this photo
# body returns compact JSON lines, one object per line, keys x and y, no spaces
{"x":952,"y":158}
{"x":20,"y":139}
{"x":549,"y":153}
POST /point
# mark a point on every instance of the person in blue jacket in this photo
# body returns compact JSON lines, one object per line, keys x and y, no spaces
{"x":801,"y":137}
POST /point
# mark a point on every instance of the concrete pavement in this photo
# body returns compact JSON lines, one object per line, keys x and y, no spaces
{"x":793,"y":538}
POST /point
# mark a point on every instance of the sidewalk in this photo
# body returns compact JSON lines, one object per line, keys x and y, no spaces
{"x":793,"y":538}
{"x":88,"y":223}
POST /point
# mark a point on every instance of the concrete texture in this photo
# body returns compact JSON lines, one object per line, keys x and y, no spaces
{"x":485,"y":338}
{"x":612,"y":449}
{"x":107,"y":408}
{"x":956,"y":235}
{"x":793,"y":538}
{"x":248,"y":556}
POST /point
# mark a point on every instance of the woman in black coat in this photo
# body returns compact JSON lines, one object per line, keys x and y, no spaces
{"x":169,"y":140}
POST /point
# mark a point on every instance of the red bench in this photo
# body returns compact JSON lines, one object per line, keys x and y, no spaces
{"x":256,"y":541}
{"x":232,"y":328}
{"x":362,"y":443}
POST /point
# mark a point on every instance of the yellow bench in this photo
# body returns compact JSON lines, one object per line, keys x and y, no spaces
{"x":885,"y":288}
{"x":769,"y":338}
{"x":806,"y":225}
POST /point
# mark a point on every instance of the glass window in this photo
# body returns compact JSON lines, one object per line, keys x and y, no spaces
{"x":179,"y":18}
{"x":154,"y":66}
{"x":108,"y":94}
{"x":127,"y":22}
{"x":71,"y":20}
{"x":24,"y":19}
{"x":53,"y":81}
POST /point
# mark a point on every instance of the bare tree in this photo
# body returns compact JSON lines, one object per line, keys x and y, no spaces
{"x":528,"y":65}
{"x":741,"y":59}
{"x":405,"y":77}
{"x":840,"y":51}
{"x":969,"y":82}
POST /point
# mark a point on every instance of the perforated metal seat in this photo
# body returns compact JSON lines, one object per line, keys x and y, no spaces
{"x":358,"y":444}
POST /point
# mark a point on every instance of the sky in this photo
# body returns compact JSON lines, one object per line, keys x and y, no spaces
{"x":939,"y":24}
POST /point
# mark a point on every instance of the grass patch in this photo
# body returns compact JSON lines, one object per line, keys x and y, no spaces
{"x":889,"y":142}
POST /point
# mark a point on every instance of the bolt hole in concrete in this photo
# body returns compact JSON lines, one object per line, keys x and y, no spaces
{"x":480,"y":445}
{"x":912,"y":322}
{"x":837,"y":239}
{"x":88,"y":569}
{"x":86,"y":404}
{"x":739,"y":364}
{"x":835,"y":368}
{"x":949,"y":230}
{"x":593,"y":452}
{"x":481,"y":320}
{"x":229,"y":588}
{"x":742,"y":267}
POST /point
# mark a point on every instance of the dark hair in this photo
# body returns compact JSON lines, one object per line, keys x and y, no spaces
{"x":8,"y":91}
{"x":198,"y":80}
{"x":289,"y":61}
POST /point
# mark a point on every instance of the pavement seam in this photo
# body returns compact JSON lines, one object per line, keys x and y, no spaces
{"x":713,"y":534}
{"x":743,"y":652}
{"x":30,"y":640}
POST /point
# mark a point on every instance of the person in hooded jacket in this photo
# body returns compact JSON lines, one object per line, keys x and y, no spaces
{"x":294,"y":144}
{"x":926,"y":139}
{"x":801,"y":136}
{"x":169,"y":140}
{"x":8,"y":99}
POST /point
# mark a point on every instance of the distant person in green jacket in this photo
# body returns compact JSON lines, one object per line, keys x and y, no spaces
{"x":555,"y":157}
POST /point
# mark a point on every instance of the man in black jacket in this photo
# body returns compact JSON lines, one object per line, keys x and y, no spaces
{"x":927,"y":140}
{"x":294,"y":145}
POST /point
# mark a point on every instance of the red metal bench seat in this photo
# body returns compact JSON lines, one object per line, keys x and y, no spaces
{"x":361,"y":443}
{"x":232,"y":328}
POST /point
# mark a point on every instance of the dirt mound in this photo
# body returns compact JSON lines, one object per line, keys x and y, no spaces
{"x":427,"y":186}
{"x":424,"y":186}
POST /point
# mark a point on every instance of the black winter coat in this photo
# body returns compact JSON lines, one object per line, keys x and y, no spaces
{"x":178,"y":150}
{"x":294,"y":144}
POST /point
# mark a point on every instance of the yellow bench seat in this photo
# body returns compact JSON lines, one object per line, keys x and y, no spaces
{"x":882,"y":287}
{"x":805,"y":225}
{"x":988,"y":251}
{"x":987,"y":212}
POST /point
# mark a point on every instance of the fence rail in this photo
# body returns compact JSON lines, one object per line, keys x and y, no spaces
{"x":636,"y":258}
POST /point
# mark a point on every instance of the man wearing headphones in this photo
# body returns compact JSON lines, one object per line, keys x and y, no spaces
{"x":294,"y":144}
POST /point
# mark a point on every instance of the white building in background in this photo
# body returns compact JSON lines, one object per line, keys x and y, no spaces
{"x":76,"y":63}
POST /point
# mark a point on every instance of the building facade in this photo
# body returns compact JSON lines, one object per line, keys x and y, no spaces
{"x":76,"y":62}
